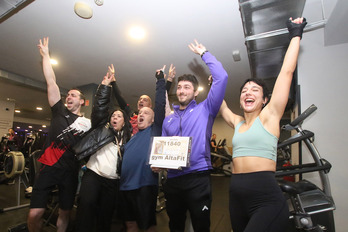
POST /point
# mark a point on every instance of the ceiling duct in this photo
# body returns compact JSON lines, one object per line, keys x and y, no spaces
{"x":266,"y":36}
{"x":11,"y":7}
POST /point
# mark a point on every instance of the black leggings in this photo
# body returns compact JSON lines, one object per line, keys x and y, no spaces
{"x":257,"y":203}
{"x":97,"y":200}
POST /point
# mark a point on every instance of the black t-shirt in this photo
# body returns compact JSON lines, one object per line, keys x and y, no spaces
{"x":65,"y":131}
{"x":211,"y":147}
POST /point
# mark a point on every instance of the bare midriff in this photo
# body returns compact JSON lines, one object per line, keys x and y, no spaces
{"x":252,"y":164}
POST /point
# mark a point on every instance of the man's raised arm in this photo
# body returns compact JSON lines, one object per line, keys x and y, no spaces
{"x":53,"y":93}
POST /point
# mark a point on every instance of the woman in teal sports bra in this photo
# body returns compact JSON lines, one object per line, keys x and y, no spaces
{"x":256,"y":201}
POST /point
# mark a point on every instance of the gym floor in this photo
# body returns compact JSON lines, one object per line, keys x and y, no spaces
{"x":10,"y":218}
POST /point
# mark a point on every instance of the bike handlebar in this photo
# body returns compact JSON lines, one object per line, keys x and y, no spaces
{"x":296,"y":138}
{"x":303,"y":116}
{"x":298,"y":121}
{"x":304,"y":168}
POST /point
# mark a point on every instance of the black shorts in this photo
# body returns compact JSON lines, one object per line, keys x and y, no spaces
{"x":48,"y":180}
{"x":140,"y":205}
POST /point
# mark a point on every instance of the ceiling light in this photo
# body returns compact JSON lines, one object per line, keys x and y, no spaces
{"x":44,"y":126}
{"x":137,"y":33}
{"x":17,"y":111}
{"x":200,"y":88}
{"x":53,"y":61}
{"x":18,"y":127}
{"x":83,"y":10}
{"x":99,"y":2}
{"x":30,"y":126}
{"x":39,"y":108}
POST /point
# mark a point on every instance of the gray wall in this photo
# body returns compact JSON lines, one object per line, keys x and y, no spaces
{"x":323,"y":76}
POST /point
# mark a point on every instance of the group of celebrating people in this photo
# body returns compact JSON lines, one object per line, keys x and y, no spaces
{"x":115,"y":148}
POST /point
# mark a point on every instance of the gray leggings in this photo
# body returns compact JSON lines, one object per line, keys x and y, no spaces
{"x":257,"y":203}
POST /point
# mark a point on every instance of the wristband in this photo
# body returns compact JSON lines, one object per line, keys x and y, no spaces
{"x":203,"y":53}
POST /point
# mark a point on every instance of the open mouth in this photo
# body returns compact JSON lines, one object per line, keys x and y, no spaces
{"x":249,"y":101}
{"x":141,"y":119}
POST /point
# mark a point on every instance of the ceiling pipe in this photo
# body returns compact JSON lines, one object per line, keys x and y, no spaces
{"x":309,"y":27}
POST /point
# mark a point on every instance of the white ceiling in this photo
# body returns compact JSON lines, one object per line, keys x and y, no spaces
{"x":85,"y":47}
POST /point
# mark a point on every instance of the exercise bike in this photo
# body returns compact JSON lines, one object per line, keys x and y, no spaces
{"x":311,"y":208}
{"x":221,"y":160}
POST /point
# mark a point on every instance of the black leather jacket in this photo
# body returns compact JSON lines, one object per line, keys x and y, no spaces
{"x":101,"y":133}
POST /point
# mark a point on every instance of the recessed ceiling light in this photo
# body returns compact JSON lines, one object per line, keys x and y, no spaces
{"x":30,"y":127}
{"x":44,"y":126}
{"x":39,"y":108}
{"x":83,"y":10}
{"x":17,"y":111}
{"x":99,"y":2}
{"x":137,"y":33}
{"x":200,"y":88}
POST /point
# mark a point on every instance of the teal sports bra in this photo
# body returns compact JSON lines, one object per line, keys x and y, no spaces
{"x":256,"y":141}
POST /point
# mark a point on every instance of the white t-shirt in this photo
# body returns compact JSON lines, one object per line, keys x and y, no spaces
{"x":104,"y":161}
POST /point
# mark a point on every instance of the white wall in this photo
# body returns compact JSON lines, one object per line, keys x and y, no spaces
{"x":6,"y":116}
{"x":323,"y":77}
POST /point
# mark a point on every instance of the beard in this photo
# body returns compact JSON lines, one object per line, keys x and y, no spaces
{"x":186,"y":101}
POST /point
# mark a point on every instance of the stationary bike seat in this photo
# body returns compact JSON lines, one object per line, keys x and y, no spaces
{"x":296,"y":187}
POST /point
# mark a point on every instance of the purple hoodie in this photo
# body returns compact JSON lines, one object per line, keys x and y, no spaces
{"x":197,"y":120}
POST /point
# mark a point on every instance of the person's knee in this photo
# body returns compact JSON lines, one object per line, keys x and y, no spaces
{"x":35,"y":214}
{"x":63,"y":218}
{"x":64,"y":214}
{"x":34,"y":219}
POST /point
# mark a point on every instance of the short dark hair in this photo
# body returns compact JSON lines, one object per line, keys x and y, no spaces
{"x":82,"y":96}
{"x":259,"y":82}
{"x":190,"y":78}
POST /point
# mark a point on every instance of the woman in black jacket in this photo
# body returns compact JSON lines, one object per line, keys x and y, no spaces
{"x":103,"y":146}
